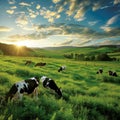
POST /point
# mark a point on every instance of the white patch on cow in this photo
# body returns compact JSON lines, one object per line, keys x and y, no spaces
{"x":43,"y":78}
{"x":21,"y":85}
{"x":33,"y":78}
{"x":63,"y":67}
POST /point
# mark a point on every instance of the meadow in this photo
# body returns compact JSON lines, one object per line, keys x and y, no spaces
{"x":86,"y":95}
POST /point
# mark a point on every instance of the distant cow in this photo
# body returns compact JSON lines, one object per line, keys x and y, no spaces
{"x":100,"y":71}
{"x":28,"y":62}
{"x":111,"y":73}
{"x":40,"y":64}
{"x":61,"y":68}
{"x":49,"y":83}
{"x":27,"y":86}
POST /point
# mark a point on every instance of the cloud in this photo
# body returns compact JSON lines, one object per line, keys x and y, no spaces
{"x":10,"y":11}
{"x":13,"y":7}
{"x":60,"y":9}
{"x":56,"y":1}
{"x":24,"y":4}
{"x":71,"y":8}
{"x":66,"y":34}
{"x":5,"y":29}
{"x":108,"y":41}
{"x":106,"y":28}
{"x":38,"y":7}
{"x":66,"y":43}
{"x":18,"y":37}
{"x":78,"y":8}
{"x":91,"y":23}
{"x":113,"y":20}
{"x":11,"y":1}
{"x":116,"y":1}
{"x":104,"y":7}
{"x":22,"y":20}
{"x":114,"y":31}
{"x":49,"y":15}
{"x":96,"y":6}
{"x":45,"y":31}
{"x":28,"y":28}
{"x":32,"y":13}
{"x":79,"y":15}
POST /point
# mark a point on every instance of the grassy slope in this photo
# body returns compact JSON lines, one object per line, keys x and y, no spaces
{"x":85,"y":95}
{"x":59,"y":52}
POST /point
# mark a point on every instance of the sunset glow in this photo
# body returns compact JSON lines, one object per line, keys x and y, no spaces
{"x":43,"y":23}
{"x":23,"y":43}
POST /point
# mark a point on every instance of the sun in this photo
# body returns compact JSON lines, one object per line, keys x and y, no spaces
{"x":22,"y":43}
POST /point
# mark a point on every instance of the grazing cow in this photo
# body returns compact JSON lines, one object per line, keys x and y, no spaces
{"x":49,"y":83}
{"x":28,"y":62}
{"x":61,"y":68}
{"x":27,"y":86}
{"x":100,"y":71}
{"x":40,"y":64}
{"x":111,"y":73}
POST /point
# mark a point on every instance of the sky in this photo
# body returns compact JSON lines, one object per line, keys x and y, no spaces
{"x":54,"y":23}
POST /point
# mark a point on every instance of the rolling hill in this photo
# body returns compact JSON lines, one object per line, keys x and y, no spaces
{"x":57,"y":52}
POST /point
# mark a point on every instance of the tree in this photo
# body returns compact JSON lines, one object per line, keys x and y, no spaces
{"x":103,"y":57}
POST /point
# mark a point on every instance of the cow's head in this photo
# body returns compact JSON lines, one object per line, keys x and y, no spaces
{"x":59,"y":92}
{"x":37,"y":78}
{"x":43,"y":78}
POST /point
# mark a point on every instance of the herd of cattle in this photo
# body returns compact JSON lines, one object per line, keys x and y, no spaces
{"x":30,"y":86}
{"x":110,"y":72}
{"x":28,"y":62}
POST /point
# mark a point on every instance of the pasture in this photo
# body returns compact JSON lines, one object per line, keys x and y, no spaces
{"x":86,"y":95}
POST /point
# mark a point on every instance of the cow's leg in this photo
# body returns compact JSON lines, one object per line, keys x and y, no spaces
{"x":35,"y":93}
{"x":20,"y":96}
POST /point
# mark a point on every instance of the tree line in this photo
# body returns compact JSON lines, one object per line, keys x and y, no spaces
{"x":84,"y":57}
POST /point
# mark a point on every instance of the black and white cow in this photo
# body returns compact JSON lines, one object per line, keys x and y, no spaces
{"x":100,"y":71}
{"x":111,"y":73}
{"x":61,"y":68}
{"x":27,"y":86}
{"x":49,"y":83}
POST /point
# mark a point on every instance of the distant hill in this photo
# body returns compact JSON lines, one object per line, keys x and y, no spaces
{"x":13,"y":50}
{"x":111,"y":50}
{"x":85,"y":50}
{"x":58,"y":52}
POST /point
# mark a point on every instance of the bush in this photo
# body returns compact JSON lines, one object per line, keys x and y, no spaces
{"x":103,"y":57}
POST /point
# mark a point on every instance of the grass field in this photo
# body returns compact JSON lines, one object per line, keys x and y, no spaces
{"x":86,"y":95}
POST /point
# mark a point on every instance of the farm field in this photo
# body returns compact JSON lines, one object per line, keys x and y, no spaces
{"x":86,"y":95}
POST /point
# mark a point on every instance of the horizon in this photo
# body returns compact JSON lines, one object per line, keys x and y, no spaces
{"x":19,"y":46}
{"x":56,"y":23}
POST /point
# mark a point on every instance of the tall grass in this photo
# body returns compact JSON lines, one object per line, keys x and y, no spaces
{"x":86,"y":95}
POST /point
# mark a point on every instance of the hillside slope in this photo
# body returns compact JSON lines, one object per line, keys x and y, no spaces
{"x":57,"y":52}
{"x":13,"y":50}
